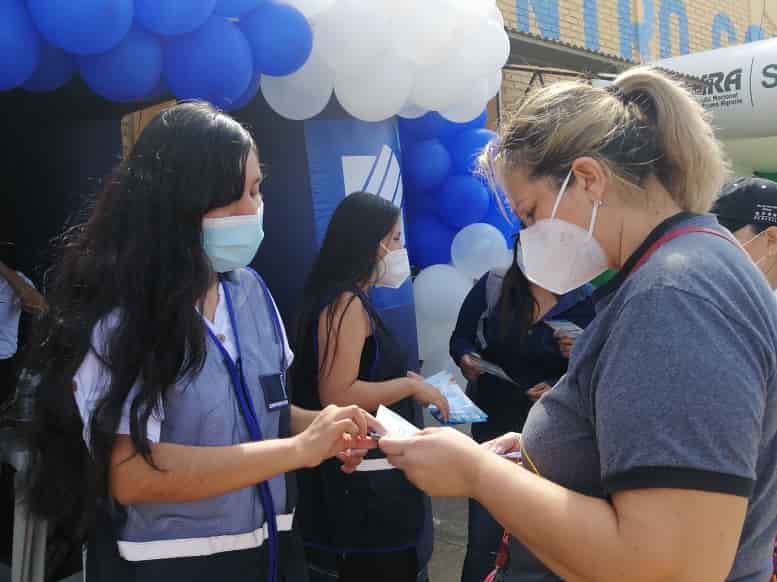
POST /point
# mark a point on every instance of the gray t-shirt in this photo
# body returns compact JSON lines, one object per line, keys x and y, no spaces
{"x":672,"y":385}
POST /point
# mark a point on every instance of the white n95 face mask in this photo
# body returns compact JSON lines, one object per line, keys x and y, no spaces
{"x":395,"y":269}
{"x":560,"y":256}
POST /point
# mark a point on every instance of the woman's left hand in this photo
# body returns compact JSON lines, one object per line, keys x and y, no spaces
{"x":537,"y":391}
{"x":441,"y":461}
{"x":565,"y":344}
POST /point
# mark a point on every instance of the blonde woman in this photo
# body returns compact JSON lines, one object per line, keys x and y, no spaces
{"x":653,"y":458}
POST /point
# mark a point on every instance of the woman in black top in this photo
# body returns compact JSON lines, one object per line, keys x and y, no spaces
{"x":363,"y":526}
{"x":502,"y":321}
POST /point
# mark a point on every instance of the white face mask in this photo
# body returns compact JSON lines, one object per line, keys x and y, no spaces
{"x":749,"y":243}
{"x":560,"y":256}
{"x":395,"y":269}
{"x":759,"y":262}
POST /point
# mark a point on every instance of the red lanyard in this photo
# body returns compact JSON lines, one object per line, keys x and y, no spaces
{"x":670,"y":236}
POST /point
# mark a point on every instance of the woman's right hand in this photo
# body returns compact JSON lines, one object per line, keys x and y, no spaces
{"x":335,"y":430}
{"x":470,"y":367}
{"x":427,"y":394}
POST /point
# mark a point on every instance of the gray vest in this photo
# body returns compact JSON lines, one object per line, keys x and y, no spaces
{"x":203,"y":411}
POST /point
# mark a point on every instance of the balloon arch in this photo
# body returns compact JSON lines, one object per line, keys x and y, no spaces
{"x":432,"y":65}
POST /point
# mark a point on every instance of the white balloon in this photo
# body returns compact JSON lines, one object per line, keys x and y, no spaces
{"x":505,"y":261}
{"x":378,"y":94}
{"x":311,"y":8}
{"x":477,"y":249}
{"x":439,"y":86}
{"x":494,"y":84}
{"x":475,"y":8}
{"x":304,"y":93}
{"x":470,"y":107}
{"x":483,"y":51}
{"x":495,"y":14}
{"x":351,"y":36}
{"x":439,"y":291}
{"x":423,"y":30}
{"x":412,"y":111}
{"x":433,"y":336}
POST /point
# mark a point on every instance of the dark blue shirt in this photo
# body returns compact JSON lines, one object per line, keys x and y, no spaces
{"x":528,"y":360}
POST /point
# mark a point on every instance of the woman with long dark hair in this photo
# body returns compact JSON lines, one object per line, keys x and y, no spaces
{"x":362,"y":526}
{"x":167,"y":358}
{"x":503,"y":321}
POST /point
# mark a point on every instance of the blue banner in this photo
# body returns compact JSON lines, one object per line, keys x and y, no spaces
{"x":346,"y":156}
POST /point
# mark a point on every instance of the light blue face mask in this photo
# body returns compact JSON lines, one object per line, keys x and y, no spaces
{"x":231,"y":242}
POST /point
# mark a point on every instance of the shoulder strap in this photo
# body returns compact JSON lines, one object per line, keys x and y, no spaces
{"x":494,"y":281}
{"x":670,"y":236}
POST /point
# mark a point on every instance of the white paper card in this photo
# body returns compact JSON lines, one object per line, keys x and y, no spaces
{"x":490,"y":368}
{"x":566,"y":328}
{"x":395,"y":425}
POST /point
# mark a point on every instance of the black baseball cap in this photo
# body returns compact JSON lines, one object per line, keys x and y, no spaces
{"x":747,"y":201}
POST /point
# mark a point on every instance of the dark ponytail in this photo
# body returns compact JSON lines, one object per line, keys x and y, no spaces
{"x":516,"y":299}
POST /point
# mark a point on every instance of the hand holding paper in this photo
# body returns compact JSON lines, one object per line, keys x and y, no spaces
{"x":462,"y":409}
{"x":429,"y":395}
{"x":566,"y":328}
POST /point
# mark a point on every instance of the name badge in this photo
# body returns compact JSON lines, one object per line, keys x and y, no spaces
{"x":274,"y":388}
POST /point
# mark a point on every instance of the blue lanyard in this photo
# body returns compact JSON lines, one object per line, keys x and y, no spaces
{"x":277,"y":326}
{"x":248,"y":412}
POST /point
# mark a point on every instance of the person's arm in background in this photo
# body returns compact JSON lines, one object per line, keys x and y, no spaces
{"x":463,"y":342}
{"x":339,"y":381}
{"x":30,"y":299}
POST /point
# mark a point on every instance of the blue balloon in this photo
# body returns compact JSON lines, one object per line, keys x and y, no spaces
{"x":236,"y":7}
{"x":20,"y":44}
{"x":433,"y":125}
{"x":428,"y":126}
{"x":280,"y":36}
{"x":462,"y":200}
{"x":212,"y":63}
{"x":171,"y":17}
{"x":467,"y":146}
{"x":426,"y":165}
{"x":56,"y":67}
{"x":429,"y":241}
{"x":419,"y":203}
{"x":128,"y":72}
{"x":83,"y":27}
{"x":457,"y":128}
{"x":247,"y":96}
{"x":161,"y":91}
{"x":406,"y":138}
